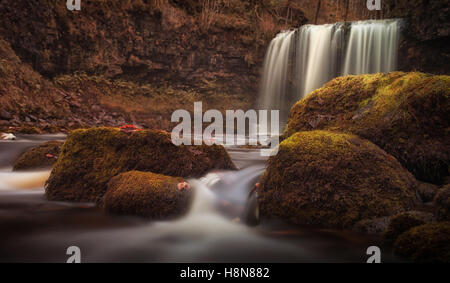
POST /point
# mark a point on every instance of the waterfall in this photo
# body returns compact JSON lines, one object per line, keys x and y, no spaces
{"x":372,"y":47}
{"x":302,"y":60}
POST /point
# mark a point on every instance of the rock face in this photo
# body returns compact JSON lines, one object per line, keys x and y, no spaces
{"x":405,"y":221}
{"x":90,"y":158}
{"x":403,"y":113}
{"x":333,"y":180}
{"x":442,"y":204}
{"x":178,"y":43}
{"x":42,"y":156}
{"x":428,"y":243}
{"x":146,"y":194}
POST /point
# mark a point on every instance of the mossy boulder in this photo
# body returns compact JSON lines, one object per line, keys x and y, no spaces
{"x":146,"y":194}
{"x":442,"y":204}
{"x":333,"y":180}
{"x":426,"y":243}
{"x":41,"y":156}
{"x":406,"y":114}
{"x":405,"y":221}
{"x":91,"y":157}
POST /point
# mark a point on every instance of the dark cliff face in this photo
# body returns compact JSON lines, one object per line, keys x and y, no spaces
{"x":183,"y":44}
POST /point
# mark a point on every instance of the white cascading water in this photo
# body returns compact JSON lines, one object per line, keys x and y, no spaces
{"x":300,"y":61}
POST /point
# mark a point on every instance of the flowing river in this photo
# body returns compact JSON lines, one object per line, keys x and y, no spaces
{"x":34,"y":229}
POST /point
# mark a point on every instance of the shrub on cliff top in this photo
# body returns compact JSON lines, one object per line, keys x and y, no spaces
{"x":91,"y":157}
{"x":333,"y":180}
{"x":406,"y":114}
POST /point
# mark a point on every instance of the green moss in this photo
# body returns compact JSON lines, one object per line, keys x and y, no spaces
{"x":333,"y":180}
{"x":403,"y":113}
{"x":91,"y":157}
{"x":426,"y":243}
{"x":146,"y":194}
{"x":37,"y":158}
{"x":442,"y":204}
{"x":405,"y":221}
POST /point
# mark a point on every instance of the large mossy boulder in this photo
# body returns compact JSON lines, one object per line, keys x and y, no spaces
{"x":429,"y":243}
{"x":91,"y":157}
{"x":406,"y":114}
{"x":39,"y":157}
{"x":442,"y":204}
{"x":146,"y":194}
{"x":333,"y":180}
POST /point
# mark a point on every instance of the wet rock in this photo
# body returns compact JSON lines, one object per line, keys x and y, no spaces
{"x":427,"y":192}
{"x":388,"y":110}
{"x":91,"y":157}
{"x":146,"y":194}
{"x":334,"y":180}
{"x":405,"y":221}
{"x":442,"y":204}
{"x":5,"y":115}
{"x":29,"y":130}
{"x":428,"y":243}
{"x":42,"y":156}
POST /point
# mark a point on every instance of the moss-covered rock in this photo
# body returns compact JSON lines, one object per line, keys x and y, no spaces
{"x":426,"y":243}
{"x":91,"y":157}
{"x":405,"y":221}
{"x":442,"y":204}
{"x":406,"y":114}
{"x":41,"y":156}
{"x":146,"y":194}
{"x":333,"y":180}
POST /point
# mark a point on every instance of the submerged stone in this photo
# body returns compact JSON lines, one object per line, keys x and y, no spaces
{"x":91,"y":157}
{"x":41,"y":156}
{"x":334,"y":180}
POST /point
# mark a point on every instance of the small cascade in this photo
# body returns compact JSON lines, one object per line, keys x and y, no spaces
{"x":299,"y":61}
